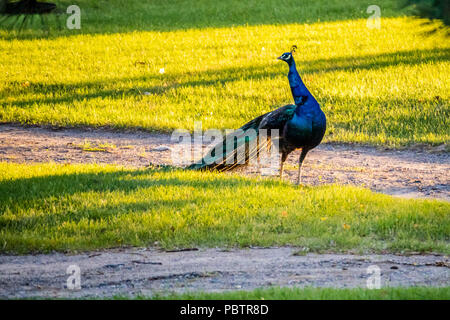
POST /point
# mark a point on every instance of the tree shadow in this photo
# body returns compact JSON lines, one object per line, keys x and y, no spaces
{"x":115,"y":16}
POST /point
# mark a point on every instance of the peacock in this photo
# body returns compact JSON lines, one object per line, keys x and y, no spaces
{"x":301,"y":126}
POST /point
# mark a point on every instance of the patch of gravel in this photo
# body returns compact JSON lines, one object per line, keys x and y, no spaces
{"x":142,"y":271}
{"x":421,"y":173}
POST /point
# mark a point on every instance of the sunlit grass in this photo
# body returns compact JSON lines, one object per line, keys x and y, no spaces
{"x":387,"y":86}
{"x":79,"y":207}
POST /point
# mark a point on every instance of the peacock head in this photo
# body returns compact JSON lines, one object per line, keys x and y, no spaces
{"x":288,"y":56}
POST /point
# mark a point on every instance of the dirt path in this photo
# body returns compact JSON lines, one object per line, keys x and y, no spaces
{"x":407,"y":173}
{"x":148,"y":271}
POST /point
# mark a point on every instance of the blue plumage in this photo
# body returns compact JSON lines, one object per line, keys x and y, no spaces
{"x":301,"y":125}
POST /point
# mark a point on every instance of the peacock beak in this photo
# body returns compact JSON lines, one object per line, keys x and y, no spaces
{"x":279,"y":58}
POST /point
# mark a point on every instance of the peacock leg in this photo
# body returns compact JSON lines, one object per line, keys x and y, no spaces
{"x":299,"y":179}
{"x":300,"y":162}
{"x":283,"y":159}
{"x":281,"y":170}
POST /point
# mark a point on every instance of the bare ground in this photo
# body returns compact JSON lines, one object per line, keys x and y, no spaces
{"x":141,"y":271}
{"x":421,"y":173}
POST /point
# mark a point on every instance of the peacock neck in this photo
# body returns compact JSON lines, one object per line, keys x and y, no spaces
{"x":298,"y":88}
{"x":304,"y":100}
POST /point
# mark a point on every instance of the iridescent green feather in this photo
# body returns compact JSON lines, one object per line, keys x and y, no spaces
{"x":246,"y":145}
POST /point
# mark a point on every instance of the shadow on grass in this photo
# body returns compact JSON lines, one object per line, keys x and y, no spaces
{"x":127,"y":180}
{"x":42,"y":191}
{"x":217,"y":77}
{"x":115,"y":16}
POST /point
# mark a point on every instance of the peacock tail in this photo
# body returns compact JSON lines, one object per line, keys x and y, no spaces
{"x":238,"y":148}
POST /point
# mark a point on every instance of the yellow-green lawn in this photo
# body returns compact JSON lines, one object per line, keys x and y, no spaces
{"x":380,"y":86}
{"x":162,"y":65}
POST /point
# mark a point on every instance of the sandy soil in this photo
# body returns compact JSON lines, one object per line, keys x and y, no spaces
{"x":421,"y":173}
{"x":148,"y":271}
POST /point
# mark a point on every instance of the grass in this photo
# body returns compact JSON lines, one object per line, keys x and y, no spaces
{"x":112,"y":16}
{"x":413,"y":293}
{"x":89,"y":146}
{"x":386,"y":87}
{"x":49,"y":207}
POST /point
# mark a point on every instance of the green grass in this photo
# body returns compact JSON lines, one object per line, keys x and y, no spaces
{"x":386,"y":86}
{"x":78,"y":207}
{"x":413,"y":293}
{"x":111,"y":16}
